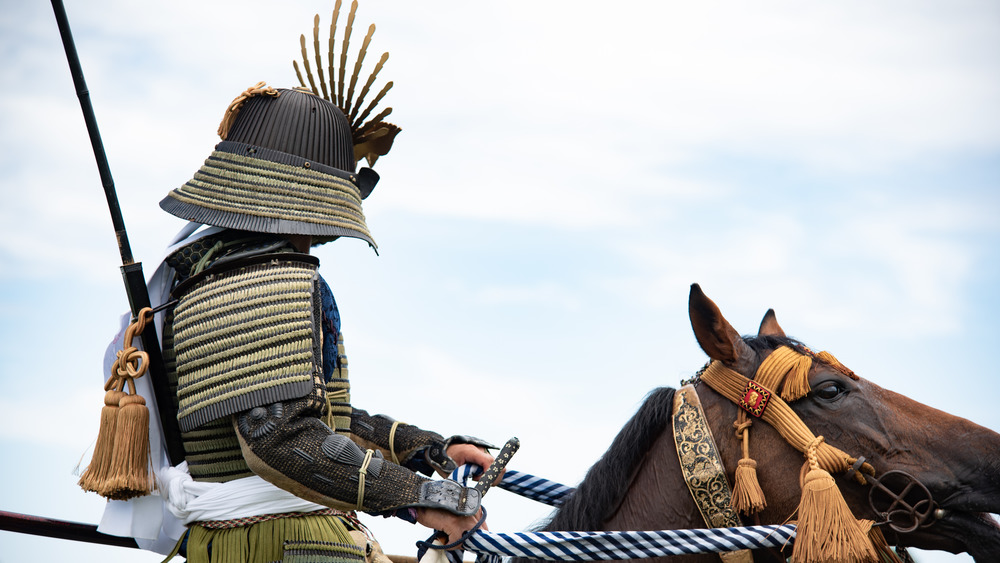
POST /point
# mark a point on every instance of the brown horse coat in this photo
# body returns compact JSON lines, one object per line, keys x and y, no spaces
{"x":638,"y":485}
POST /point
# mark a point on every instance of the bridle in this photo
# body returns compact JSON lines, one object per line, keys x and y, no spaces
{"x":897,"y":497}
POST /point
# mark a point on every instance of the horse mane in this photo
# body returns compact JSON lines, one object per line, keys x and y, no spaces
{"x":604,"y":485}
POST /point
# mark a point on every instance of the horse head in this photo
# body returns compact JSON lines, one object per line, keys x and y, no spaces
{"x":930,"y":478}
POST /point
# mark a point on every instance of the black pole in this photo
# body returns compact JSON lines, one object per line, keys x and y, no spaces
{"x":59,"y":529}
{"x":135,"y":282}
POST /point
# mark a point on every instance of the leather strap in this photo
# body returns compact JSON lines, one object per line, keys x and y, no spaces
{"x":702,"y":467}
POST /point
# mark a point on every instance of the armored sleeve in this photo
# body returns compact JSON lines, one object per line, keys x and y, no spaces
{"x":289,"y":445}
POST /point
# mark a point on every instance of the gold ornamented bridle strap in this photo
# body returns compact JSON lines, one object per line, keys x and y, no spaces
{"x":702,"y":467}
{"x":757,"y":397}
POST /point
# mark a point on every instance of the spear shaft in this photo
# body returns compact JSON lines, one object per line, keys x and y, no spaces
{"x":78,"y":531}
{"x":135,"y":282}
{"x":59,"y":529}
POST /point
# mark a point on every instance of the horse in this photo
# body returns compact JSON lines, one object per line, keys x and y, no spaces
{"x":950,"y":466}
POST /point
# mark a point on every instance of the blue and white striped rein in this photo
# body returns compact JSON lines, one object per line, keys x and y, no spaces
{"x":603,"y":546}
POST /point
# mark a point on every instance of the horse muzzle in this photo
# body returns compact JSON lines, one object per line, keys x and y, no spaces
{"x":978,"y":532}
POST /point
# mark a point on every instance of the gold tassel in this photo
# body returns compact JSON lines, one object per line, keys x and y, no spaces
{"x":95,"y":478}
{"x":797,"y":381}
{"x":120,"y":468}
{"x":748,"y":498}
{"x":826,"y":531}
{"x":130,"y":476}
{"x":882,"y":547}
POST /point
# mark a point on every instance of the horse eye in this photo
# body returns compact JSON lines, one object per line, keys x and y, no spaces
{"x":828,"y":390}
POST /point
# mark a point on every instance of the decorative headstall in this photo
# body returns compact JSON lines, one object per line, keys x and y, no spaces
{"x":826,"y":528}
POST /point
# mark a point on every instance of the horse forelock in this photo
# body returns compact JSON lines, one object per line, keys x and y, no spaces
{"x":605,"y":484}
{"x":764,"y":344}
{"x":761,"y":346}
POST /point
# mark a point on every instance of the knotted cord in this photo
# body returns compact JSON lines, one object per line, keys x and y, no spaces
{"x":131,"y":363}
{"x":120,"y":466}
{"x":259,"y":89}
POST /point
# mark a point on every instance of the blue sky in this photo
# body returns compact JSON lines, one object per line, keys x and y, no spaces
{"x":565,"y":172}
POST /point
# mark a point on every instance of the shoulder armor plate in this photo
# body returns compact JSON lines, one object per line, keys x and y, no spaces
{"x":246,"y":334}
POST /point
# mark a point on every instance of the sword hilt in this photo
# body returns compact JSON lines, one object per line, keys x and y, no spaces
{"x":498,"y":465}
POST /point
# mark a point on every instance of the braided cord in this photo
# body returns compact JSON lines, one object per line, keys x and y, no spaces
{"x":610,"y":546}
{"x":392,"y":441}
{"x":602,"y":546}
{"x":362,"y":471}
{"x":258,"y":89}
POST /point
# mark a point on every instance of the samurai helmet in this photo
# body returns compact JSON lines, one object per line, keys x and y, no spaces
{"x":287,"y":163}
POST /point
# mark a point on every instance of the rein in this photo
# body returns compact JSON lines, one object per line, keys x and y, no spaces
{"x":603,"y":546}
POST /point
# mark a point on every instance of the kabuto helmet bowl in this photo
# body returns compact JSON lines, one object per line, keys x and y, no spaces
{"x":286,"y":166}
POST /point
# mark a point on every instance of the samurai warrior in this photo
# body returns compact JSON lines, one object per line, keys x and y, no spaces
{"x":277,"y":459}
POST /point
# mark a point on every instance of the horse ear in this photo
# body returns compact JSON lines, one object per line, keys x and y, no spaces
{"x":769,"y":326}
{"x":714,"y":333}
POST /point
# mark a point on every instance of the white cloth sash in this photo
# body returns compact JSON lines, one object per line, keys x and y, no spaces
{"x":193,"y":501}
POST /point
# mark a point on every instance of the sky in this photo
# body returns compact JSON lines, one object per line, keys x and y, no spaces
{"x":565,"y":171}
